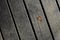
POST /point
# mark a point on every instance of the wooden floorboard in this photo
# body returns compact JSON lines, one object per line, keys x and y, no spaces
{"x":40,"y":25}
{"x":6,"y":23}
{"x":21,"y":20}
{"x":30,"y":19}
{"x":53,"y":16}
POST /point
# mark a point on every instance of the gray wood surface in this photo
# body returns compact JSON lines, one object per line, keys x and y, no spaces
{"x":40,"y":25}
{"x":6,"y":23}
{"x":53,"y":16}
{"x":23,"y":23}
{"x":21,"y":19}
{"x":0,"y":37}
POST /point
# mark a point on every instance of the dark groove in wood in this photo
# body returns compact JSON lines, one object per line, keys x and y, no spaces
{"x":30,"y":20}
{"x":1,"y":34}
{"x":47,"y":20}
{"x":13,"y":19}
{"x":58,"y":5}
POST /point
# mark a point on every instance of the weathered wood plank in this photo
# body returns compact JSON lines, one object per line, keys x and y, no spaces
{"x":40,"y":25}
{"x":0,"y":37}
{"x":53,"y":16}
{"x":6,"y":23}
{"x":21,"y":19}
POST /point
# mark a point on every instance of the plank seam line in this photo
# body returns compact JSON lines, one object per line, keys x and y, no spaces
{"x":58,"y":5}
{"x":1,"y":33}
{"x":47,"y":19}
{"x":30,"y":20}
{"x":13,"y":20}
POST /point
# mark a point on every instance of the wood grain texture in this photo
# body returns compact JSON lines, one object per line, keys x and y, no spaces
{"x":53,"y":16}
{"x":21,"y":19}
{"x":6,"y":23}
{"x":38,"y":19}
{"x":0,"y":37}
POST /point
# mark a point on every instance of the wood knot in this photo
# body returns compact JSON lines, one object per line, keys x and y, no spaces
{"x":39,"y":18}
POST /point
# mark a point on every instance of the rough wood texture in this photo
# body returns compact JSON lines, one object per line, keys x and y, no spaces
{"x":0,"y":37}
{"x":38,"y":20}
{"x":53,"y":16}
{"x":25,"y":19}
{"x":6,"y":23}
{"x":21,"y":19}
